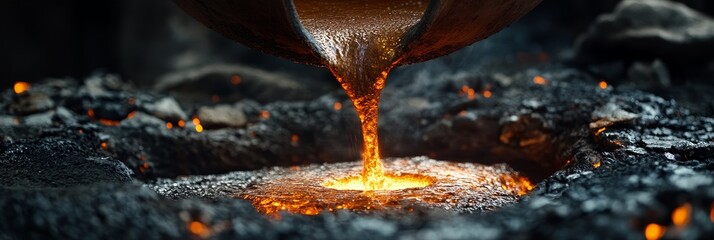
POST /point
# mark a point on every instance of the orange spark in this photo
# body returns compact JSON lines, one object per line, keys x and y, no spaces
{"x":103,"y":145}
{"x":181,"y":123}
{"x":540,"y":80}
{"x":711,"y":213}
{"x":602,"y":85}
{"x":169,"y":125}
{"x":264,"y":114}
{"x":235,"y":80}
{"x":487,"y":94}
{"x":131,"y":115}
{"x":21,"y":87}
{"x":337,"y":106}
{"x":682,"y":215}
{"x":199,"y":128}
{"x":597,"y":164}
{"x":654,"y":231}
{"x":90,"y":113}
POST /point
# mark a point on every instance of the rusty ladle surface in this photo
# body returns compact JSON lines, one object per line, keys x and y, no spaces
{"x":273,"y":26}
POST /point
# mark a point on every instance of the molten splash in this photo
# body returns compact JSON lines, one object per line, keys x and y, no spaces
{"x":459,"y":187}
{"x":360,"y":42}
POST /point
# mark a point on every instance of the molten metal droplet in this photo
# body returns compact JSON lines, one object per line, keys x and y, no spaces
{"x":682,"y":215}
{"x":602,"y":85}
{"x":21,"y":87}
{"x":654,"y":231}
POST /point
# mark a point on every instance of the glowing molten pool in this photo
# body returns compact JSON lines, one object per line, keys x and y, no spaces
{"x":390,"y":182}
{"x":418,"y":183}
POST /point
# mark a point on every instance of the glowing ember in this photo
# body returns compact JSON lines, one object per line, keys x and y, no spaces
{"x":294,"y":139}
{"x":602,"y":85}
{"x":597,"y":164}
{"x":487,"y":94}
{"x":711,"y":213}
{"x":521,"y":185}
{"x":21,"y":87}
{"x":103,"y":145}
{"x":654,"y":231}
{"x":144,"y":167}
{"x":468,"y":91}
{"x":169,"y":125}
{"x":181,"y":123}
{"x":264,"y":114}
{"x":540,"y":80}
{"x":337,"y":106}
{"x":235,"y":80}
{"x":107,"y":122}
{"x":198,"y":228}
{"x":461,"y":187}
{"x":600,"y":131}
{"x":197,"y":123}
{"x":682,"y":215}
{"x":111,"y":123}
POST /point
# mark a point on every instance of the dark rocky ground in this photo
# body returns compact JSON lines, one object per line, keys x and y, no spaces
{"x":82,"y":159}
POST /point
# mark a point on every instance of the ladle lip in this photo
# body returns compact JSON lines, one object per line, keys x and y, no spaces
{"x":304,"y":33}
{"x":413,"y":33}
{"x":265,"y":25}
{"x":418,"y":29}
{"x":450,"y":25}
{"x":274,"y":27}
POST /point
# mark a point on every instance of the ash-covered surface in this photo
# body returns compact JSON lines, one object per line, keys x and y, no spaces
{"x":81,"y":159}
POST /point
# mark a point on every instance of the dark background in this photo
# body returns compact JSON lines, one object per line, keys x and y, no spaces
{"x":143,"y":39}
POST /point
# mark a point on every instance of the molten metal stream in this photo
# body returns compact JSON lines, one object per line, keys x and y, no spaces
{"x":360,"y":43}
